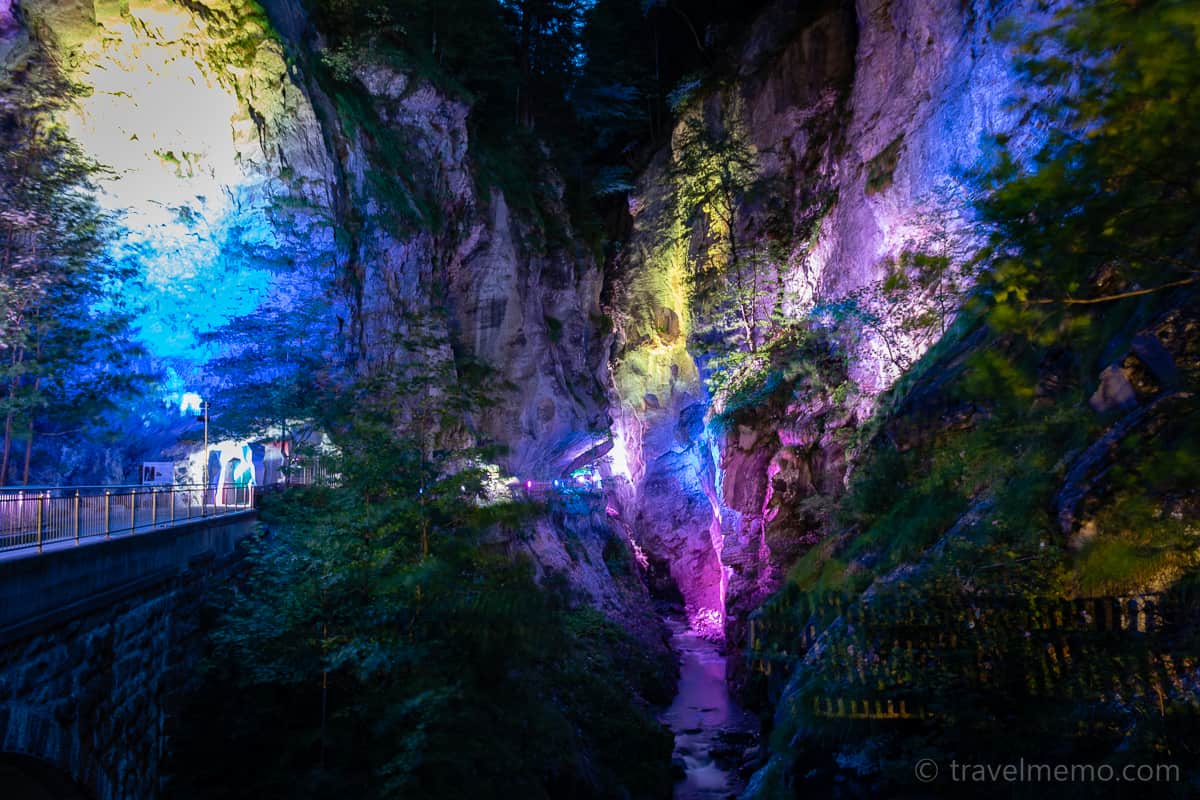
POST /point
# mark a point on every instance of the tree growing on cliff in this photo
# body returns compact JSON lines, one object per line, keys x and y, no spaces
{"x":734,"y":274}
{"x":64,"y":343}
{"x":902,"y":314}
{"x":736,"y":261}
{"x":1107,"y":207}
{"x":713,"y":170}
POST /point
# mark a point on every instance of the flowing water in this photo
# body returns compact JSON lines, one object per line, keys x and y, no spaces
{"x":712,"y":732}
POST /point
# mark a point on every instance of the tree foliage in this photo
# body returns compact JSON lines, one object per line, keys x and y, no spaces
{"x":736,"y":264}
{"x":953,"y":516}
{"x":272,"y":370}
{"x":64,"y":352}
{"x":715,"y":168}
{"x":387,"y":651}
{"x":1109,"y":203}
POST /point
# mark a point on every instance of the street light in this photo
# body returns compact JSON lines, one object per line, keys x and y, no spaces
{"x":203,"y":409}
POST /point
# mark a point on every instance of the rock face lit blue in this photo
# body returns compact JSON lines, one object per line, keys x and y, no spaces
{"x":220,"y":196}
{"x":231,"y":189}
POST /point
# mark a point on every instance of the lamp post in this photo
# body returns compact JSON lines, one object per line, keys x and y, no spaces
{"x":203,"y":410}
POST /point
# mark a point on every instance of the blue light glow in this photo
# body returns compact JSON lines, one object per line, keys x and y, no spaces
{"x":190,"y":403}
{"x":196,"y":192}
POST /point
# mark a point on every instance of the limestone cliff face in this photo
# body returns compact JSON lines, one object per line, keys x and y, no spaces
{"x":247,"y":178}
{"x":244,"y":180}
{"x":862,"y":118}
{"x":217,"y":164}
{"x":474,"y":273}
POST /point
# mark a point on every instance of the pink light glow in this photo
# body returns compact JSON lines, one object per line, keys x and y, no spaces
{"x":639,"y":555}
{"x":788,"y":438}
{"x":7,"y":18}
{"x":707,"y":622}
{"x":773,"y":469}
{"x":710,"y":622}
{"x":708,"y":617}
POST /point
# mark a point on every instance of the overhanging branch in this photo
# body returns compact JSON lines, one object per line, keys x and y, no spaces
{"x":1108,"y":298}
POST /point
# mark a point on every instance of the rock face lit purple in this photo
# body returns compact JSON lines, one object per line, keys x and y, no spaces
{"x":866,"y":119}
{"x":8,"y":19}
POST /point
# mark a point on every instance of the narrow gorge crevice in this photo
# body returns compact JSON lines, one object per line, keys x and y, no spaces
{"x":810,"y":348}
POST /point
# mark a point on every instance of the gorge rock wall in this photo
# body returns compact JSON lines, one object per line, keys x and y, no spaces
{"x":248,"y":176}
{"x":253,"y":173}
{"x":863,"y":119}
{"x":467,"y":272}
{"x":251,"y":177}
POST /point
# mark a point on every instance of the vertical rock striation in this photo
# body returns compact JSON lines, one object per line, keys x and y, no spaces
{"x":863,"y":120}
{"x":252,"y":173}
{"x":249,"y":174}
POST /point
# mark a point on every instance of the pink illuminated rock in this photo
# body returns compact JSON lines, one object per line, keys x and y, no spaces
{"x":8,"y":18}
{"x":865,"y":116}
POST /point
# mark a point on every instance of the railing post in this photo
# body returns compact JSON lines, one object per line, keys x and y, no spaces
{"x":153,"y":508}
{"x":172,"y":504}
{"x":107,"y":514}
{"x":40,"y":520}
{"x":133,"y":500}
{"x":204,"y":502}
{"x":76,"y":515}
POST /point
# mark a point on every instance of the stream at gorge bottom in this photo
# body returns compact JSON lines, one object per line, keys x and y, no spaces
{"x":714,"y":736}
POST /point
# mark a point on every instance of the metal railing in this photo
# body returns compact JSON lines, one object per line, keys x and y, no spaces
{"x":39,"y":517}
{"x":305,"y":471}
